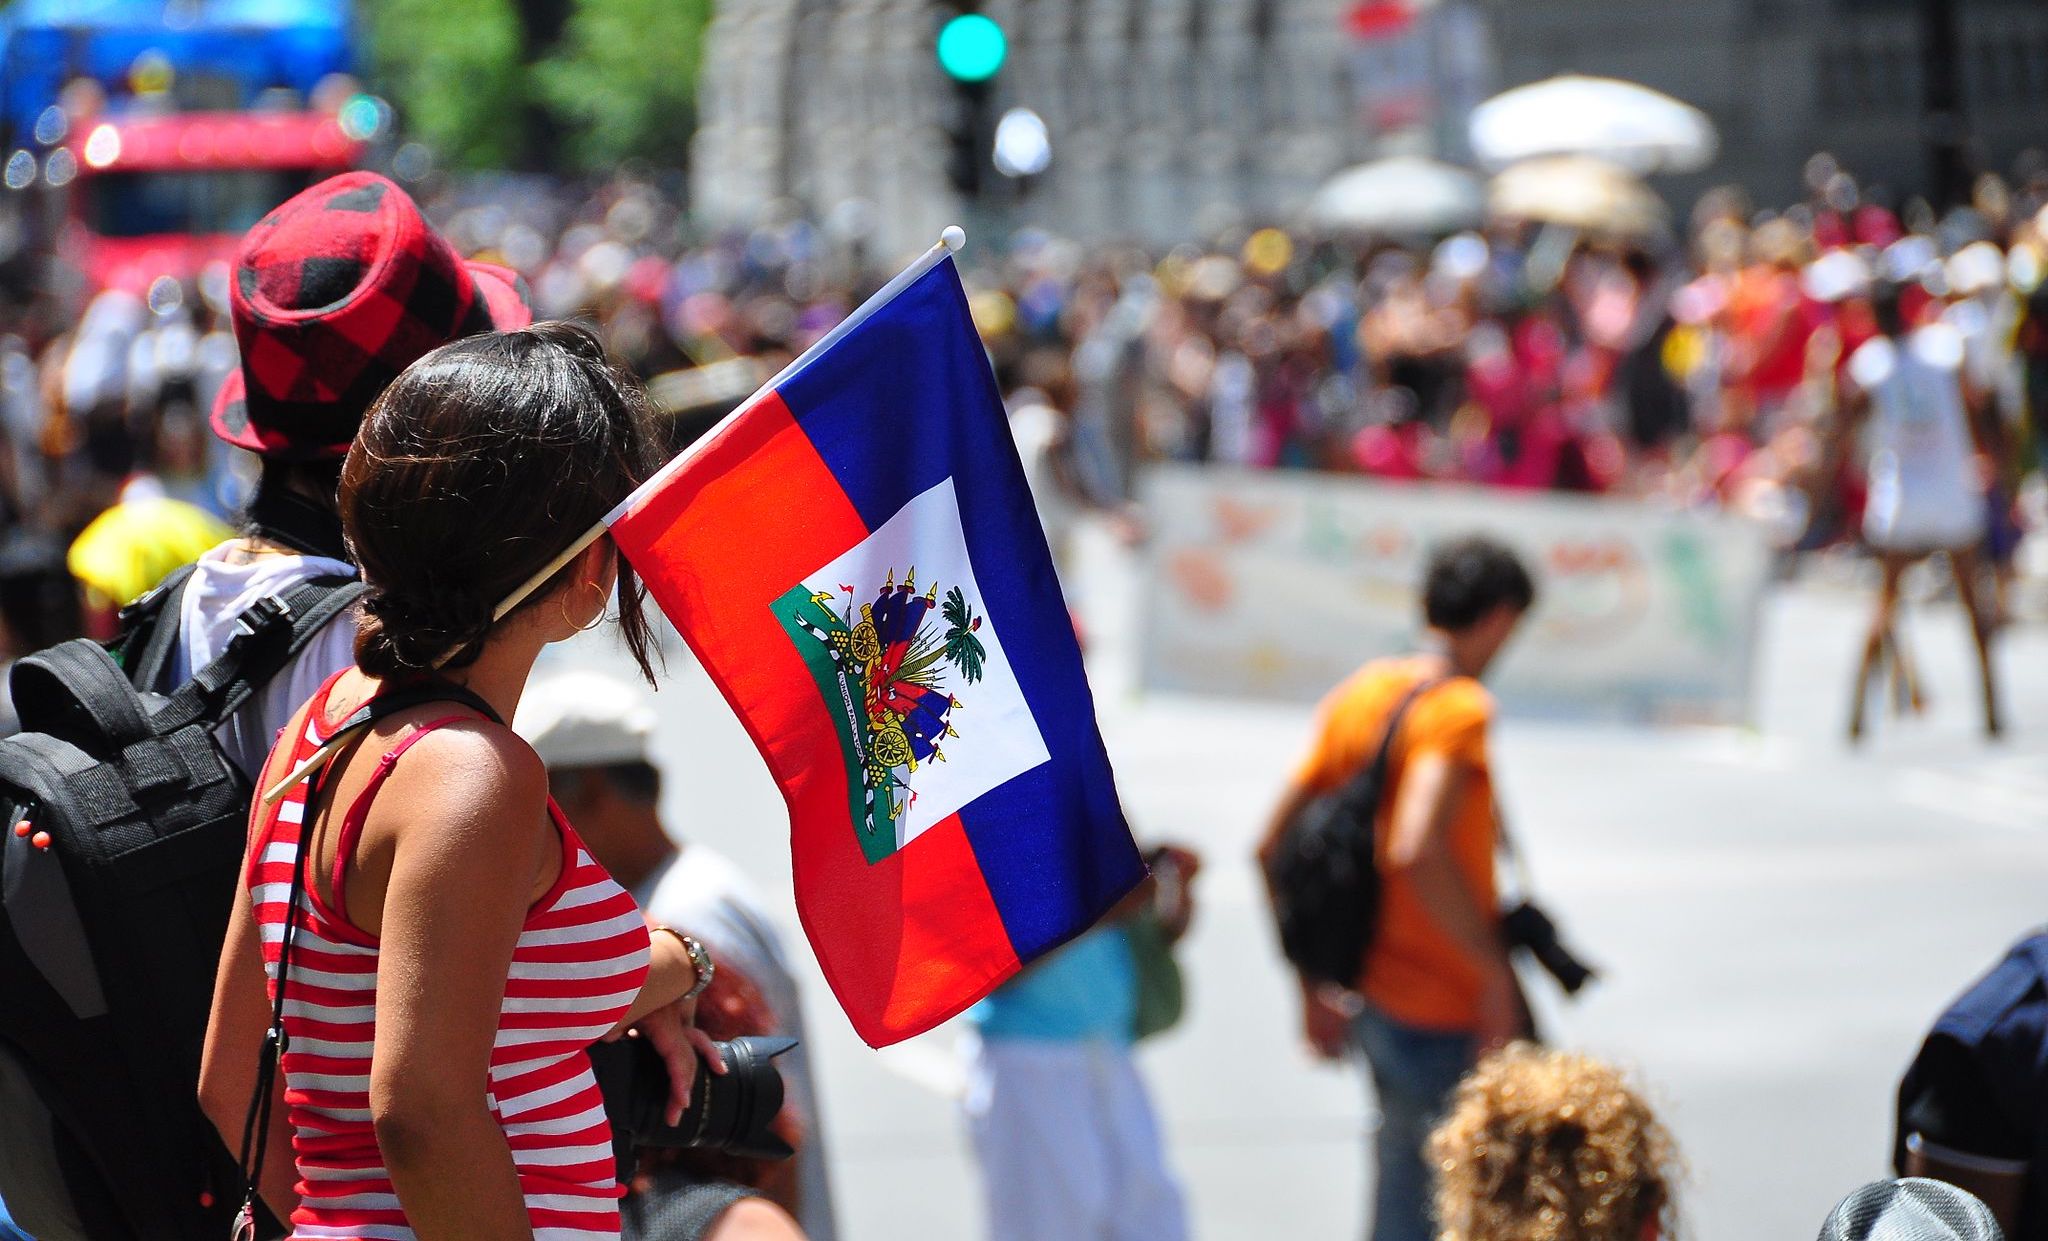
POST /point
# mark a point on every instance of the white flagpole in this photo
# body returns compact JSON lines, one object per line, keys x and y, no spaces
{"x":950,"y":242}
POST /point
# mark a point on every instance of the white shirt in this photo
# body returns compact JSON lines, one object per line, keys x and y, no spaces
{"x":703,"y":893}
{"x":218,"y":593}
{"x":1924,"y":490}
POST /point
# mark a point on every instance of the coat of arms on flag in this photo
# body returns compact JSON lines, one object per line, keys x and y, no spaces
{"x":855,"y":558}
{"x":903,"y":667}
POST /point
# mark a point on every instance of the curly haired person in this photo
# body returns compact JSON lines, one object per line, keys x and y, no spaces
{"x":1544,"y":1145}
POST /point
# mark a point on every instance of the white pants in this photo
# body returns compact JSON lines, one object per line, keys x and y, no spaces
{"x":1068,"y":1145}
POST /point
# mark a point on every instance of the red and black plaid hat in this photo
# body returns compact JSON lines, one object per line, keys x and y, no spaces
{"x":334,"y":293}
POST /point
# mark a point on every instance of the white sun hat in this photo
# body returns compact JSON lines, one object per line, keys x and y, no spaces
{"x":579,"y":718}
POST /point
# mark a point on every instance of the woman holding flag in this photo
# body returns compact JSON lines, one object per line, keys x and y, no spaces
{"x":448,"y":948}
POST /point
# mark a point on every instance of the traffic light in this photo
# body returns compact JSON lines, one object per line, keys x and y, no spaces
{"x":971,"y":48}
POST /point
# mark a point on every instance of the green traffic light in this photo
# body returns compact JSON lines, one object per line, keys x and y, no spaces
{"x":972,"y":48}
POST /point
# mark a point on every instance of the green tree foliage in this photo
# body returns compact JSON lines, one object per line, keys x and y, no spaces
{"x":623,"y":82}
{"x":454,"y":69}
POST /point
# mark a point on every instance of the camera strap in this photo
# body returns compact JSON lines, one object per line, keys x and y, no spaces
{"x":1511,"y":857}
{"x":256,"y":1123}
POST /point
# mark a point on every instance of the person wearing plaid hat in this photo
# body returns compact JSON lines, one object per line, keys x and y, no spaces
{"x":332,"y":295}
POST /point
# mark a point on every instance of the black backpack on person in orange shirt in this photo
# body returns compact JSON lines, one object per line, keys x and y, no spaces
{"x":1324,"y":880}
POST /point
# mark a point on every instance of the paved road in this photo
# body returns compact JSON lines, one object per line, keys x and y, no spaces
{"x":1778,"y":918}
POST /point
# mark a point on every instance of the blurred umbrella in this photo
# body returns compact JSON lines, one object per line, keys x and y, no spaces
{"x":1402,"y":194}
{"x":1576,"y":192}
{"x":1630,"y":125}
{"x":134,"y":545}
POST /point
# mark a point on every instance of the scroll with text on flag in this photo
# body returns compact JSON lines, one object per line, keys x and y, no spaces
{"x":855,"y":558}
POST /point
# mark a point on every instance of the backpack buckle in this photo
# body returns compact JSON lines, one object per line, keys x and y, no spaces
{"x":142,"y":605}
{"x":263,"y":615}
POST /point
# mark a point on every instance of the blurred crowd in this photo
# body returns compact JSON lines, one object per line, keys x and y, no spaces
{"x":1700,"y":365}
{"x":1705,"y":370}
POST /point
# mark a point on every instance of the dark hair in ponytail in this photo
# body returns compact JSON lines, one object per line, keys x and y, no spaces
{"x":475,"y":468}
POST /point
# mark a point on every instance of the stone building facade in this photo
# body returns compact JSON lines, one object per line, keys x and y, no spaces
{"x":1166,"y":116}
{"x":1169,"y":117}
{"x":1783,"y":79}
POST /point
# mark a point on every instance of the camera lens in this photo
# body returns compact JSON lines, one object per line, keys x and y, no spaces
{"x":735,"y":1109}
{"x":732,"y":1111}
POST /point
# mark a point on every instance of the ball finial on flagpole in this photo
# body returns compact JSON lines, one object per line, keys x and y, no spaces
{"x":954,"y":237}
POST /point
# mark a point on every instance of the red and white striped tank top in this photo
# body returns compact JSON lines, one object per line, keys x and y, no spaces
{"x":581,"y":958}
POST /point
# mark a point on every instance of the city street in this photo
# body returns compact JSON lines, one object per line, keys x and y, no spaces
{"x":1276,"y":304}
{"x":1778,"y":919}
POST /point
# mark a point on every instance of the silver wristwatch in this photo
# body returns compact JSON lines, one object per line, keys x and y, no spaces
{"x":699,"y":958}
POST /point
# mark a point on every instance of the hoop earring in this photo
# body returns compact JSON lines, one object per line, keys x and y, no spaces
{"x":595,"y":621}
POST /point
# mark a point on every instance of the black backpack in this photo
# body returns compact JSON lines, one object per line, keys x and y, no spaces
{"x":1326,"y":888}
{"x":122,"y":825}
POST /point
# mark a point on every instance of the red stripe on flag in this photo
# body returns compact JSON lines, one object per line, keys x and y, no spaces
{"x":954,"y":948}
{"x":904,"y":943}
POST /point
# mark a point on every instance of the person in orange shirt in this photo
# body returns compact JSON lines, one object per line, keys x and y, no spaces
{"x":1434,"y":991}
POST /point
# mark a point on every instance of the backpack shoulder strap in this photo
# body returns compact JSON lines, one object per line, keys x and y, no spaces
{"x":274,"y":631}
{"x":306,"y":608}
{"x":1373,"y":776}
{"x":149,"y":629}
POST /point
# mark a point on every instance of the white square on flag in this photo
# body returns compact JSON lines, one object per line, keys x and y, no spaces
{"x":989,"y":734}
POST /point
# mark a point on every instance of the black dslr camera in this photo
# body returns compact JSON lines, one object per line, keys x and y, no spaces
{"x":1526,"y":926}
{"x":729,"y":1112}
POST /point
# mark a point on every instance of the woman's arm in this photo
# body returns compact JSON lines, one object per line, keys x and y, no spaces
{"x":670,"y":973}
{"x":464,"y":865}
{"x":235,"y":1028}
{"x":234,"y":1048}
{"x":669,"y":1022}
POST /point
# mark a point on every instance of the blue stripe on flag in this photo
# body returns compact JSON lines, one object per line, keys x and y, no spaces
{"x":903,"y":401}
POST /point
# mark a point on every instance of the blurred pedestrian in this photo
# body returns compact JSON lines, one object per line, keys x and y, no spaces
{"x":1061,"y":1123}
{"x":1973,"y":1105}
{"x":1546,"y":1145}
{"x":39,"y":607}
{"x":595,"y":733}
{"x":1435,"y":990}
{"x":134,"y":544}
{"x":1927,"y":481}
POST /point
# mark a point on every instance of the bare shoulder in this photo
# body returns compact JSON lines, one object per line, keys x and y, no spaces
{"x":470,"y":772}
{"x":755,"y":1219}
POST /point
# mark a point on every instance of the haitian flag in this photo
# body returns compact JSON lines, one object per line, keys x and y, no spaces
{"x":854,"y":557}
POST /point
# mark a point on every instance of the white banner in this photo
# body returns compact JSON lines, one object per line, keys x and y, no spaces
{"x":1282,"y":583}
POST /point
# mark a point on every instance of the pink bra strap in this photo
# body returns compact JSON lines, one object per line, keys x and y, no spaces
{"x":359,"y":809}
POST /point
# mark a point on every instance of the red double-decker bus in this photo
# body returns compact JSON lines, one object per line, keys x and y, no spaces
{"x":165,"y":195}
